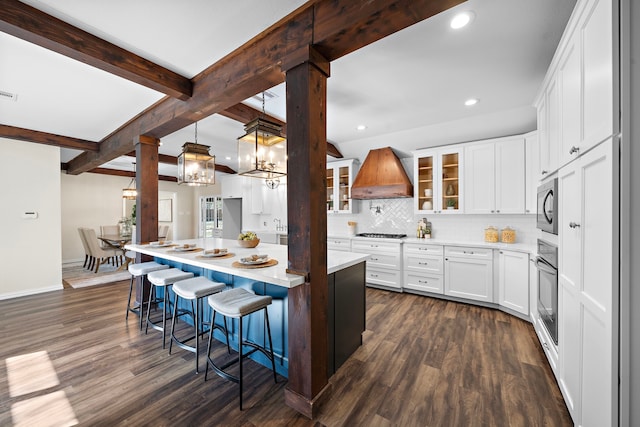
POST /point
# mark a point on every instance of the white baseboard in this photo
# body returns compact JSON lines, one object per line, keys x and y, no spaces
{"x":11,"y":295}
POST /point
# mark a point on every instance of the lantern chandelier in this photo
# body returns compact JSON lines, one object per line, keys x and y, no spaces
{"x":195,"y":165}
{"x":262,"y":150}
{"x":130,"y":193}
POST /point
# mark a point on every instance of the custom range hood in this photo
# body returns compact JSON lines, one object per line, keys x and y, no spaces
{"x":381,"y":176}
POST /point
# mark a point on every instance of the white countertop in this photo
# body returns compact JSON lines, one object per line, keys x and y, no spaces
{"x":519,"y":247}
{"x":276,"y":274}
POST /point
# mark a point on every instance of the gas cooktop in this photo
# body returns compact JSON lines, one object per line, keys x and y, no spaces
{"x":382,"y":235}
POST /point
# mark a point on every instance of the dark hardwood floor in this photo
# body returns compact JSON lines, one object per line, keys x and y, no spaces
{"x":68,"y":357}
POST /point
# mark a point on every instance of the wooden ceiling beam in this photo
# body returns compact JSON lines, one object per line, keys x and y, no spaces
{"x":118,"y":172}
{"x":255,"y":66}
{"x":29,"y":135}
{"x":30,"y":24}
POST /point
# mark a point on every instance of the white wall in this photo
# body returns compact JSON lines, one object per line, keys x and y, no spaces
{"x":30,"y":249}
{"x":91,"y":200}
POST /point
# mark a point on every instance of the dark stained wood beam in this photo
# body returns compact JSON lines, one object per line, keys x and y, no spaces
{"x":29,"y":135}
{"x":307,"y":221}
{"x":344,"y":26}
{"x":172,"y":160}
{"x":30,"y":24}
{"x":244,"y":113}
{"x":255,"y":66}
{"x":333,"y":151}
{"x":117,"y":172}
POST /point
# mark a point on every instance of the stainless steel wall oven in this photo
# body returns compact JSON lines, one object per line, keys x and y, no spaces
{"x":547,"y":264}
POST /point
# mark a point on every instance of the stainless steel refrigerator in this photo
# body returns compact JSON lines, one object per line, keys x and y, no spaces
{"x":232,"y":212}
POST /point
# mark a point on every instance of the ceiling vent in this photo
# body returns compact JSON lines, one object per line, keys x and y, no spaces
{"x":8,"y":96}
{"x":268,"y":96}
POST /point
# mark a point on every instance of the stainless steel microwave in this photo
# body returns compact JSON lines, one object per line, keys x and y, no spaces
{"x":547,"y":211}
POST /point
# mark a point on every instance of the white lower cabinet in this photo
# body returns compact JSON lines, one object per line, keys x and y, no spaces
{"x":423,"y":268}
{"x":339,"y":244}
{"x":513,"y":281}
{"x":468,"y":273}
{"x":587,"y":334}
{"x":384,"y":263}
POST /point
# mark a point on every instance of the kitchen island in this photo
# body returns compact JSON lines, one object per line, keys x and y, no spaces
{"x":346,"y":282}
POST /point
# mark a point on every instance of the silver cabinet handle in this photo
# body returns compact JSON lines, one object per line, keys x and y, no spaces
{"x":423,"y":263}
{"x":545,"y":345}
{"x":544,"y":172}
{"x":423,"y":281}
{"x":498,"y":211}
{"x":374,"y":259}
{"x":574,"y":149}
{"x":573,"y":225}
{"x":374,"y":275}
{"x":492,"y":211}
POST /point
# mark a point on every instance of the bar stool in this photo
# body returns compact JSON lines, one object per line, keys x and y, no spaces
{"x":194,"y":289}
{"x":238,"y":303}
{"x":137,"y":270}
{"x":164,"y":279}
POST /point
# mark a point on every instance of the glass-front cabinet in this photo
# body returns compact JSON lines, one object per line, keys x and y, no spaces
{"x":438,"y":184}
{"x":340,"y":176}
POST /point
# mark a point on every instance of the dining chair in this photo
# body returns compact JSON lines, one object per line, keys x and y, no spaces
{"x":88,"y":258}
{"x":109,"y":230}
{"x":163,"y":231}
{"x":100,"y":254}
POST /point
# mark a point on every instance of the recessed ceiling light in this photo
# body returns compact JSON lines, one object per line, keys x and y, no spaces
{"x":227,"y":158}
{"x":461,"y":19}
{"x":361,"y":127}
{"x":471,"y":101}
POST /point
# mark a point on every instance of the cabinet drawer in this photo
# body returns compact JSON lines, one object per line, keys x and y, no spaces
{"x":468,"y":252}
{"x":423,"y":282}
{"x":388,"y":261}
{"x":338,"y":244}
{"x":392,"y":279}
{"x":423,"y":263}
{"x":423,"y":249}
{"x":368,"y":247}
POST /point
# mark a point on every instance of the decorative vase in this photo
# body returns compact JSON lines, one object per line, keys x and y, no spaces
{"x":427,"y":206}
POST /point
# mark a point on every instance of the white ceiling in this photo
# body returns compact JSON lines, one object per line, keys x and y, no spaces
{"x":417,"y":78}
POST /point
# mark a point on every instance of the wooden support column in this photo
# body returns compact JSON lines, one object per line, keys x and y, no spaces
{"x":146,"y":201}
{"x":306,"y":77}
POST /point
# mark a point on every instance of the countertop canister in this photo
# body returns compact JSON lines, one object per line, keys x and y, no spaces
{"x":491,"y":234}
{"x":508,"y":235}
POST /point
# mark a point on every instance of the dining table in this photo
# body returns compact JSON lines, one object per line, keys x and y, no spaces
{"x":117,"y":241}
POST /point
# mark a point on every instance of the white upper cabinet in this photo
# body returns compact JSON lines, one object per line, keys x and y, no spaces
{"x":340,"y":176}
{"x":259,"y":197}
{"x":494,"y":176}
{"x":532,"y":171}
{"x":596,"y":31}
{"x":576,"y":101}
{"x":571,"y":82}
{"x":233,"y":187}
{"x":438,"y":186}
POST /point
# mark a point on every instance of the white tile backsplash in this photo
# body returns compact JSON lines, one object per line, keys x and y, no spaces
{"x":397,"y":216}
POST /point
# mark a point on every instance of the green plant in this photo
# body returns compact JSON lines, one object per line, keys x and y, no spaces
{"x":451,"y":203}
{"x":133,"y":214}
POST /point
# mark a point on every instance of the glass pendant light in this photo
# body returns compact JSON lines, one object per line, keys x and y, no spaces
{"x":262,"y":150}
{"x":195,"y":165}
